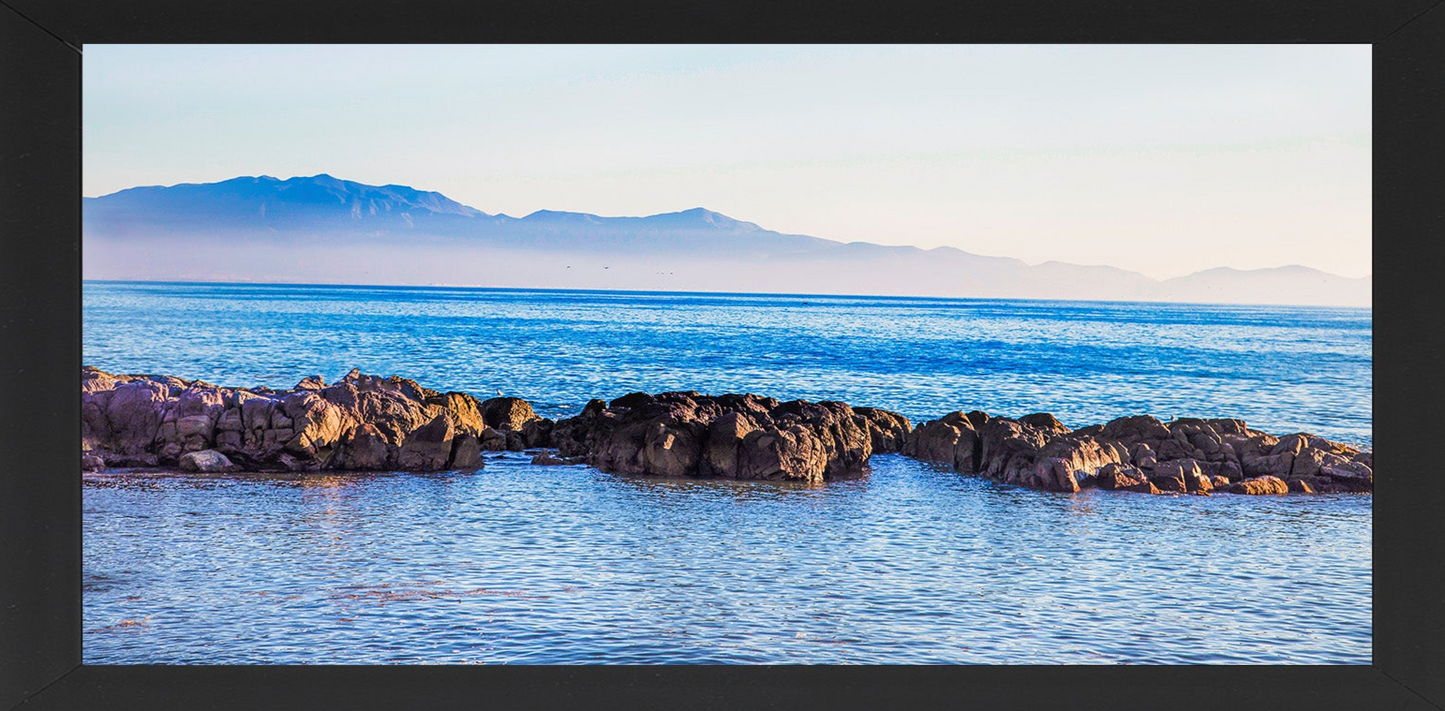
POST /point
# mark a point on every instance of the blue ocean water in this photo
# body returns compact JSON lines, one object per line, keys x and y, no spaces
{"x":1282,"y":369}
{"x":912,"y":564}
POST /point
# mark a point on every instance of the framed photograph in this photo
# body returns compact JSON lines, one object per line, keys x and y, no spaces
{"x":1021,"y":365}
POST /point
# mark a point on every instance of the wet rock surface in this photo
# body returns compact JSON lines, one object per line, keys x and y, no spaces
{"x":728,"y":436}
{"x":1140,"y":453}
{"x":362,"y":422}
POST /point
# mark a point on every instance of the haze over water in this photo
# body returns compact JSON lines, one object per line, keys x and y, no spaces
{"x":912,"y":564}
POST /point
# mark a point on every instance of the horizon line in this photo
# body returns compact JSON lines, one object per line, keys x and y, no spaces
{"x":889,"y":297}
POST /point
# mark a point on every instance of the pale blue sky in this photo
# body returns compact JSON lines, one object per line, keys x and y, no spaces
{"x":1159,"y":159}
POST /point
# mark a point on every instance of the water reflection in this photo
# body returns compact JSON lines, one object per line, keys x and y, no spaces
{"x":523,"y":564}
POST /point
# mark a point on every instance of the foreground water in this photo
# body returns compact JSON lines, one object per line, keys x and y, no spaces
{"x":912,"y":564}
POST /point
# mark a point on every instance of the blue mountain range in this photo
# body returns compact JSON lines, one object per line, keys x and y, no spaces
{"x":266,"y":229}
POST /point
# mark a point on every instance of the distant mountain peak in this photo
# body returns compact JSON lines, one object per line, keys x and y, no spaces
{"x":272,"y":198}
{"x":1287,"y":270}
{"x":701,"y":217}
{"x":561,"y":216}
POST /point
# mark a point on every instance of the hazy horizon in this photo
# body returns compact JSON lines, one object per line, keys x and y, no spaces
{"x":687,"y":209}
{"x":1163,"y":160}
{"x":321,"y":229}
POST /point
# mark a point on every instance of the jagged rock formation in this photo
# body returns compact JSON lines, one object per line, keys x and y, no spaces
{"x":1140,"y":453}
{"x":362,"y":422}
{"x":731,"y":436}
{"x":365,"y":422}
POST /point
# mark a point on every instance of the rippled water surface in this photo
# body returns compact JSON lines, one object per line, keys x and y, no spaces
{"x":911,"y":564}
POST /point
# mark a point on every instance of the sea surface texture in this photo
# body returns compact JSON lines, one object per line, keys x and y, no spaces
{"x":910,"y":564}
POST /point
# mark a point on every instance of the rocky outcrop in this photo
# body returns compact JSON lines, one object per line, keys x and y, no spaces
{"x":887,"y":430}
{"x":362,"y":422}
{"x":1140,"y":453}
{"x":730,"y":436}
{"x":365,"y":422}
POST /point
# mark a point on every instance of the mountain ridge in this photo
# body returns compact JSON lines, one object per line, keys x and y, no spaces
{"x":307,"y":213}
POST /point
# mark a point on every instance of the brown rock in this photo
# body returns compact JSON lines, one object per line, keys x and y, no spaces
{"x":492,"y":440}
{"x":507,"y":413}
{"x":1055,"y":474}
{"x":670,"y":451}
{"x":1168,"y":483}
{"x":1120,"y":476}
{"x":206,"y":460}
{"x":133,"y":415}
{"x":1143,"y":456}
{"x":199,"y":426}
{"x":1044,"y":422}
{"x":516,"y":442}
{"x":364,"y":448}
{"x":538,"y":432}
{"x":1134,"y":429}
{"x":1177,"y":448}
{"x":792,"y":453}
{"x":1082,"y":455}
{"x":889,"y":430}
{"x":1199,"y":483}
{"x":1310,"y":461}
{"x":1177,"y":475}
{"x":724,"y":436}
{"x":1259,"y":485}
{"x":94,"y":380}
{"x":1290,"y":444}
{"x":316,"y":423}
{"x":1276,"y":465}
{"x":1352,"y":470}
{"x":1008,"y":450}
{"x":939,"y":440}
{"x":736,"y":436}
{"x":230,"y":421}
{"x":256,"y":417}
{"x":466,"y":452}
{"x":428,"y":448}
{"x":465,"y":410}
{"x":1143,"y":487}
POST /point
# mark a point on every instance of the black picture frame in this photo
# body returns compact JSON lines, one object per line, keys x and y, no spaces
{"x":40,"y":311}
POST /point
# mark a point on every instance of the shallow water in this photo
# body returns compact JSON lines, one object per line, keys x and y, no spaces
{"x":521,"y":564}
{"x":911,"y":564}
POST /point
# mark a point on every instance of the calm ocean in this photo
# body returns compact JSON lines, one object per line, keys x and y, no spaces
{"x":912,"y":564}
